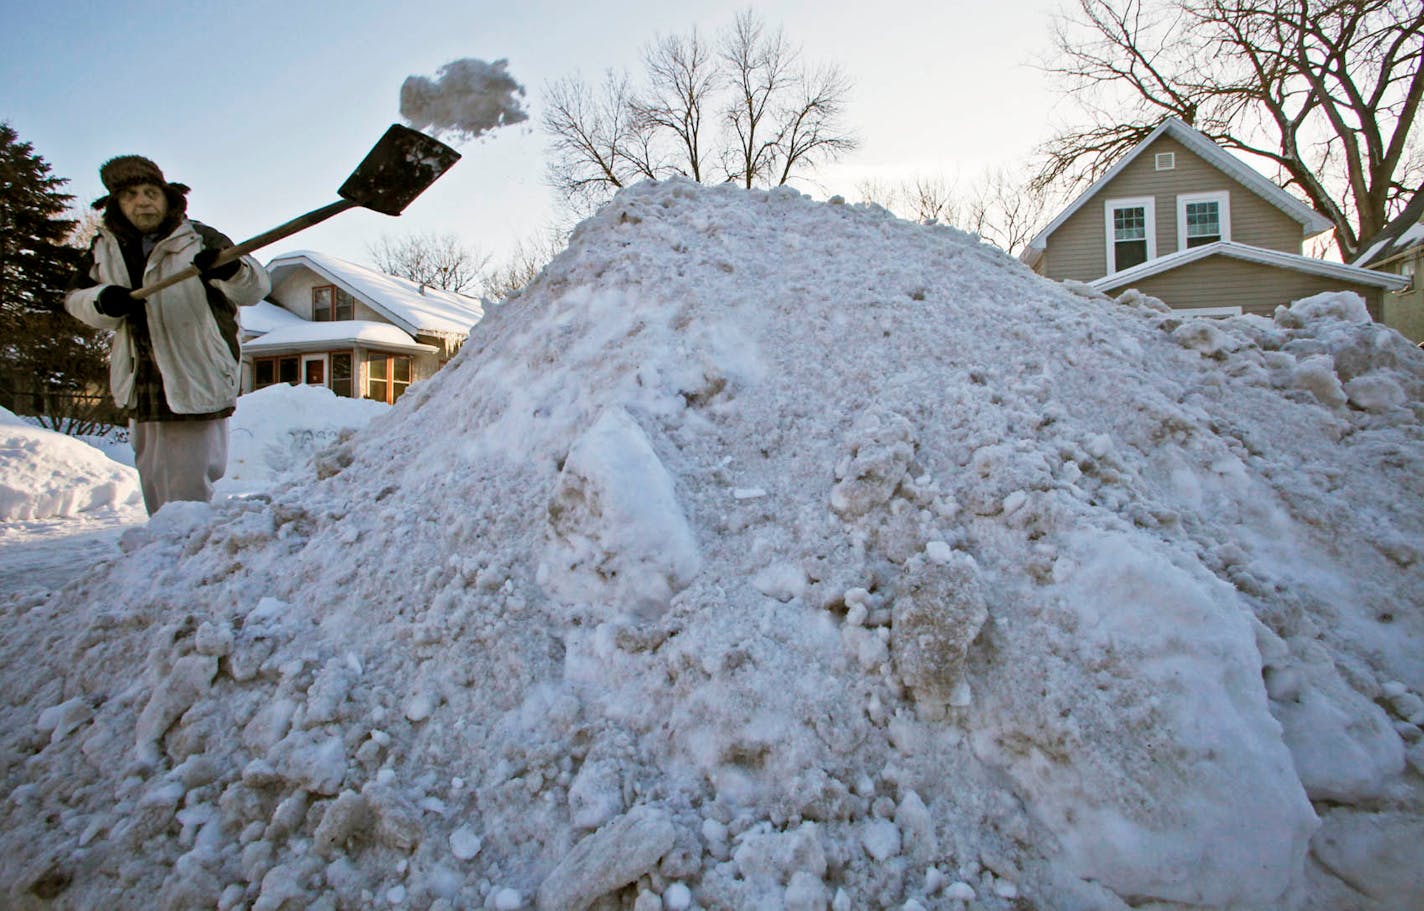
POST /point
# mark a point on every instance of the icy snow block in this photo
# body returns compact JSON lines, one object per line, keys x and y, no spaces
{"x":617,"y":534}
{"x":609,"y":859}
{"x":1198,"y":801}
{"x":1379,"y":854}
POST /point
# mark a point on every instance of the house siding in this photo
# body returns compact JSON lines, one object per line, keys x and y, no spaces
{"x":1404,"y":310}
{"x":295,"y":293}
{"x":1077,"y":250}
{"x":1219,"y":281}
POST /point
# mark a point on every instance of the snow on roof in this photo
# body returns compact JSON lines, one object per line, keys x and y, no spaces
{"x":1252,"y":254}
{"x":400,"y":300}
{"x":265,"y":316}
{"x":310,"y":336}
{"x":1404,"y":231}
{"x":1312,"y":222}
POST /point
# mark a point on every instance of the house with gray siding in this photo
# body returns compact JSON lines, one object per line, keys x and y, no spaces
{"x":1182,"y":220}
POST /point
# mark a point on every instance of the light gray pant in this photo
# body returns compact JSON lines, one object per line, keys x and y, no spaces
{"x":178,"y":460}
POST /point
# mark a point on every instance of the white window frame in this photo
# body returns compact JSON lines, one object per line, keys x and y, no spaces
{"x":1222,"y":198}
{"x":1149,"y":206}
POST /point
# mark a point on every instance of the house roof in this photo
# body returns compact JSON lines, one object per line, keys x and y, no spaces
{"x":1404,"y":232}
{"x":334,"y":335}
{"x":265,"y":316}
{"x":1247,"y":253}
{"x":407,"y":304}
{"x":1312,"y":222}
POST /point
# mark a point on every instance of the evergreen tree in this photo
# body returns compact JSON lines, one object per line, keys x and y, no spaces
{"x":50,"y":363}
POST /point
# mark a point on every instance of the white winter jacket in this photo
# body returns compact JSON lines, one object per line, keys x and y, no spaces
{"x":200,"y":373}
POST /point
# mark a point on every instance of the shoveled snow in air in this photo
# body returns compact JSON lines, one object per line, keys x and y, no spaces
{"x":768,"y":553}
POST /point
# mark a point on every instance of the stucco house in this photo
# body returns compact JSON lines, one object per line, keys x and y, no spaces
{"x":1398,"y":249}
{"x":1182,"y":220}
{"x":361,"y":332}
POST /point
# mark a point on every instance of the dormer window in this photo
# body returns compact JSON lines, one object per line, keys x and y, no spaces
{"x":1203,"y":218}
{"x":1131,"y":232}
{"x":331,"y":303}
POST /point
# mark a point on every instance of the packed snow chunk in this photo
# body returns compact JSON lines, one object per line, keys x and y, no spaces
{"x":611,"y":857}
{"x":617,"y":534}
{"x":1218,"y":818}
{"x":45,"y":474}
{"x":881,"y":448}
{"x":1332,"y":305}
{"x":465,"y":844}
{"x":189,"y":680}
{"x":936,"y":617}
{"x":1316,"y":375}
{"x":1375,"y":392}
{"x":1343,"y":745}
{"x":1379,"y":854}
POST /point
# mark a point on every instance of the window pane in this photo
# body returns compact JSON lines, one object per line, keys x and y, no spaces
{"x":376,"y":366}
{"x":345,"y":306}
{"x":321,"y":303}
{"x":1203,"y":223}
{"x":264,"y":373}
{"x":289,"y":370}
{"x":341,"y":374}
{"x":1130,"y":253}
{"x":1130,"y":224}
{"x":402,"y":369}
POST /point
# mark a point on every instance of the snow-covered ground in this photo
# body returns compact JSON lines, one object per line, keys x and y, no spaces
{"x":768,"y":553}
{"x":64,"y":503}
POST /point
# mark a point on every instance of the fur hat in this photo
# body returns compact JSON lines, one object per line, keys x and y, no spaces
{"x":132,"y":170}
{"x":129,"y":170}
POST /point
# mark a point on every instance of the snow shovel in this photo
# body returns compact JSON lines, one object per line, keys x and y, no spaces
{"x":397,"y":170}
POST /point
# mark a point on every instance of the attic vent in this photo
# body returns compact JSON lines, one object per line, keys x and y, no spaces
{"x":1166,"y":161}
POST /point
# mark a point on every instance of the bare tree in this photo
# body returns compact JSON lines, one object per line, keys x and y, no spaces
{"x":682,"y":77}
{"x":524,"y":263}
{"x":1006,"y":209}
{"x":1325,"y":92}
{"x":436,"y":260}
{"x":742,"y":108}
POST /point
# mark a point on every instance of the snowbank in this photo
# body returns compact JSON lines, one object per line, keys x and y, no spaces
{"x":45,"y":474}
{"x":771,"y":554}
{"x":276,"y":430}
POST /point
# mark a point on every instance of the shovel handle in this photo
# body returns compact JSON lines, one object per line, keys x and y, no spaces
{"x":300,"y":223}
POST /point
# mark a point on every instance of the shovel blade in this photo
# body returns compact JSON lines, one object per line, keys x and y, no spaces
{"x":397,"y":170}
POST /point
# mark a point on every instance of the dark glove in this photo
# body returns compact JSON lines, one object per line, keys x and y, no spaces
{"x":118,"y":302}
{"x":203,"y":260}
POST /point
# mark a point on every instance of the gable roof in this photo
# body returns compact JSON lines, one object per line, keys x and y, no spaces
{"x":407,"y":304}
{"x":1247,"y":253}
{"x":265,"y":316}
{"x":1405,"y":231}
{"x":1312,"y":222}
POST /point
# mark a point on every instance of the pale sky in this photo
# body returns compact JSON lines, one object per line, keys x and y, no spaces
{"x":265,"y":107}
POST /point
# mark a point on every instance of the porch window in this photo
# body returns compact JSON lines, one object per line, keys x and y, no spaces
{"x":1202,"y":218}
{"x":331,"y":303}
{"x":268,"y":371}
{"x":387,"y":376}
{"x":341,"y":374}
{"x":1131,"y":227}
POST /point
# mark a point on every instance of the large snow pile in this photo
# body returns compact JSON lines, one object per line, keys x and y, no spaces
{"x":45,"y":474}
{"x":771,"y":554}
{"x":276,"y":430}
